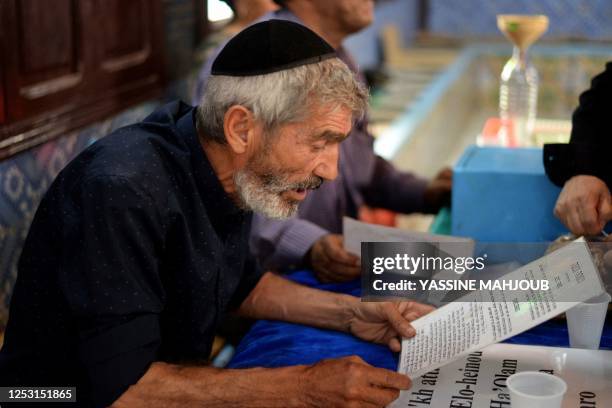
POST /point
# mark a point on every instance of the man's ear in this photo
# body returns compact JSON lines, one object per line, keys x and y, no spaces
{"x":238,"y":126}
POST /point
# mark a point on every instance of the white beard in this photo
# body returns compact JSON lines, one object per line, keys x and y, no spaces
{"x":257,"y":197}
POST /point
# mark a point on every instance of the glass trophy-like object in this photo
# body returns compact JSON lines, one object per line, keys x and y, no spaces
{"x":518,"y":96}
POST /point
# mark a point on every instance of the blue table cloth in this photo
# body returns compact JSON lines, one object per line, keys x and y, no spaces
{"x":278,"y":344}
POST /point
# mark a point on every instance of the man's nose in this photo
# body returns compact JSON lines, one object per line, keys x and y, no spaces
{"x":327,"y":168}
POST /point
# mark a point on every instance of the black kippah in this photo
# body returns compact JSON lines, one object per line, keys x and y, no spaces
{"x":270,"y":46}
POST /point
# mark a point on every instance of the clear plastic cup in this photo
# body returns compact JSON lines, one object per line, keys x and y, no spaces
{"x":533,"y":389}
{"x":585,"y":322}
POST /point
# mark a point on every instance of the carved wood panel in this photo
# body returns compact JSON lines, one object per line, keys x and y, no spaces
{"x":67,"y":63}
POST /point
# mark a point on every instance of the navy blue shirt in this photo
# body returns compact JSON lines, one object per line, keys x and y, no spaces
{"x":134,"y":255}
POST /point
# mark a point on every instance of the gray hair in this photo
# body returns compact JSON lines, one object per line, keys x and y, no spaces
{"x":280,"y":97}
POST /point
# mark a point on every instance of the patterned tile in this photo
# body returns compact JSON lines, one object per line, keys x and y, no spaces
{"x":25,"y":178}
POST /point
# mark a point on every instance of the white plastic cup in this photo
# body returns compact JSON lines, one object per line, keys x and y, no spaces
{"x":585,"y":322}
{"x":533,"y":389}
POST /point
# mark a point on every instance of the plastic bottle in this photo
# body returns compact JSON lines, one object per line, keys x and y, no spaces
{"x":518,"y":98}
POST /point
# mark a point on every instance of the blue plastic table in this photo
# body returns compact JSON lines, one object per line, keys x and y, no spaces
{"x":277,"y":344}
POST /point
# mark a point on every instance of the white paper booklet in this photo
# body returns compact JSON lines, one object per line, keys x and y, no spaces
{"x":485,"y":317}
{"x":478,"y":380}
{"x":356,"y":232}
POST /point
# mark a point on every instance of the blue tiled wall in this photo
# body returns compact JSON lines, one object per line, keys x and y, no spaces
{"x":587,"y":19}
{"x":24,"y":178}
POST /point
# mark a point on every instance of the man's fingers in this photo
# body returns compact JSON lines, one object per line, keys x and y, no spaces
{"x":414,"y":310}
{"x":324,"y":276}
{"x":420,"y":308}
{"x":395,"y":345}
{"x":411,"y":316}
{"x":333,"y":263}
{"x":388,"y":379}
{"x":403,"y":307}
{"x":560,"y":211}
{"x":589,"y":220}
{"x":340,"y":255}
{"x":572,"y":221}
{"x":379,"y":397}
{"x":335,"y":250}
{"x":604,"y":209}
{"x":398,"y":321}
{"x":423,"y":308}
{"x":584,"y":205}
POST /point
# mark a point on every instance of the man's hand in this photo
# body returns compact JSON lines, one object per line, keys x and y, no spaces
{"x":331,"y":262}
{"x":341,"y":382}
{"x":438,"y":191}
{"x":386,"y":322}
{"x":350,"y":382}
{"x":584,"y":205}
{"x":276,"y":298}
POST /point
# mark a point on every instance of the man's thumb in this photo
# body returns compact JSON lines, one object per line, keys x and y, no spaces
{"x":605,"y":209}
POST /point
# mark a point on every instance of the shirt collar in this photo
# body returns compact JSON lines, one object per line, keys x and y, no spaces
{"x":213,"y":195}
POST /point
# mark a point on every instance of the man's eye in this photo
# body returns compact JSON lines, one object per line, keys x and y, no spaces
{"x":318,"y":147}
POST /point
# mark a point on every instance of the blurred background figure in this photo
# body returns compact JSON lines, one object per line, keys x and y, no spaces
{"x":246,"y":12}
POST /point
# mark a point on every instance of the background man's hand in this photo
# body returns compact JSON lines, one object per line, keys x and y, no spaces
{"x":584,"y":205}
{"x":350,"y":382}
{"x":386,"y":322}
{"x":438,"y":191}
{"x":331,"y":262}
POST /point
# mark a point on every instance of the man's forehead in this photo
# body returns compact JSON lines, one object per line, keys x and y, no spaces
{"x":331,"y":123}
{"x":321,"y":124}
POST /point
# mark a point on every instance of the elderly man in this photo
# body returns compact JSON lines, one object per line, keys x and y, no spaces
{"x":313,"y":238}
{"x":139,"y":248}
